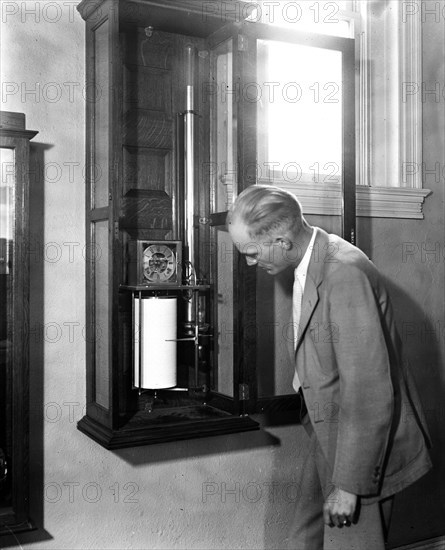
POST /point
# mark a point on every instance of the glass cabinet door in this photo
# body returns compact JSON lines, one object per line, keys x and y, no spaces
{"x":224,"y":187}
{"x":7,"y":187}
{"x":303,"y":114}
{"x":232,"y":129}
{"x":14,"y":329}
{"x":282,"y":113}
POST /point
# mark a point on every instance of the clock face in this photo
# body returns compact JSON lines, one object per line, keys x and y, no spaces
{"x":159,"y":263}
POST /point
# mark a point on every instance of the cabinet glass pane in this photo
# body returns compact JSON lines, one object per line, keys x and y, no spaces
{"x":299,"y":113}
{"x":100,"y":98}
{"x":7,"y":190}
{"x":224,"y":163}
{"x":101,"y":312}
{"x":225,"y":154}
{"x":224,"y":327}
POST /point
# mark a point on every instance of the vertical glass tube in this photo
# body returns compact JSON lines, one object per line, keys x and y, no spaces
{"x":189,"y":153}
{"x":189,"y":171}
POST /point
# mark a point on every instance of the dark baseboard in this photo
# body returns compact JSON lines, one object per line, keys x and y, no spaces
{"x":437,"y":543}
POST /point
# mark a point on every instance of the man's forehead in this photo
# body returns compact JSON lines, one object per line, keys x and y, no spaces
{"x":241,"y":236}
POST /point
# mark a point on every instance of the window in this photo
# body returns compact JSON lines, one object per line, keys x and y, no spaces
{"x":388,"y":121}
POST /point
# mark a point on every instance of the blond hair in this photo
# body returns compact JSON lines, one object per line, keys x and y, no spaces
{"x":266,"y":208}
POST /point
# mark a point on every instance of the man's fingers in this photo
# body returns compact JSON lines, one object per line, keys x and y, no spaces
{"x":331,"y":518}
{"x":340,"y":508}
{"x":334,"y":519}
{"x":327,"y":516}
{"x":344,"y":521}
{"x":337,"y":520}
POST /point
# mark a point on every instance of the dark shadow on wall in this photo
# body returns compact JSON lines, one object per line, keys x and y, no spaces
{"x":419,"y":510}
{"x":189,"y":448}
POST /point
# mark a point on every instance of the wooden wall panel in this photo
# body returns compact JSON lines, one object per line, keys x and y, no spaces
{"x":156,"y":51}
{"x":146,"y":209}
{"x":146,"y":168}
{"x":144,"y":128}
{"x":148,"y":88}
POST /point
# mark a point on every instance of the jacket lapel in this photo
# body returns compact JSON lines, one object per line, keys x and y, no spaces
{"x":313,"y":280}
{"x":310,"y":300}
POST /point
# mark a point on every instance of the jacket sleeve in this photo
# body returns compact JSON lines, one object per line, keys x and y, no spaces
{"x":365,"y":389}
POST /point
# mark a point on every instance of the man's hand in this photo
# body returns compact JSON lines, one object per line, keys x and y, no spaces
{"x":339,"y":508}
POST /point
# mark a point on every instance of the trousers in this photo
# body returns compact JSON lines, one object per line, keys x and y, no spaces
{"x":308,"y":531}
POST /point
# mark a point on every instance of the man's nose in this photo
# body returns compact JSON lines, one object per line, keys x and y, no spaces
{"x":251,"y":261}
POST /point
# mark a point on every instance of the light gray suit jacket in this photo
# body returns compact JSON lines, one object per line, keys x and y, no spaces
{"x":361,"y":400}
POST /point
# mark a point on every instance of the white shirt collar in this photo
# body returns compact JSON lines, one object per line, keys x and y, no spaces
{"x":301,"y":269}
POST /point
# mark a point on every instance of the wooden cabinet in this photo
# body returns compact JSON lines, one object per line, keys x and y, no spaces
{"x":156,"y":73}
{"x":14,"y":322}
{"x":140,"y":58}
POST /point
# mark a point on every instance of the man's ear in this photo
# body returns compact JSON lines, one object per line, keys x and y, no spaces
{"x":285,"y":243}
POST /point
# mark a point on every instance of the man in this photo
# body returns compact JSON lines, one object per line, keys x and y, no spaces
{"x":367,"y":435}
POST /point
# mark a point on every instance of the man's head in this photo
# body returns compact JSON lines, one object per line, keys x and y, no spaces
{"x":267,"y":226}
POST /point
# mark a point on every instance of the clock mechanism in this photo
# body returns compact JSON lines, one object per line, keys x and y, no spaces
{"x":154,"y":262}
{"x":159,"y":263}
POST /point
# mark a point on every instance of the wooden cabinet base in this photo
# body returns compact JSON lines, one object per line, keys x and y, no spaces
{"x":9,"y":525}
{"x":213,"y":423}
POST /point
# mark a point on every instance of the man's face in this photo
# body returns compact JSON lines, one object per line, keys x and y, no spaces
{"x":268,"y":251}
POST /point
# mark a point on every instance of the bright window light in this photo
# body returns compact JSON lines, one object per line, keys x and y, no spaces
{"x":300,"y":112}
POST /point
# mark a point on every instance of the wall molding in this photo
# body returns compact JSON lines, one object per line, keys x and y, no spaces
{"x":391,"y":202}
{"x":372,"y":202}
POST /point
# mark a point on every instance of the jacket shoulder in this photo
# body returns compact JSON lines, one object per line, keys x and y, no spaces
{"x":339,"y":258}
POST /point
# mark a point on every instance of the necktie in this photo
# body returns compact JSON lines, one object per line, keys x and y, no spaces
{"x":297,"y":297}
